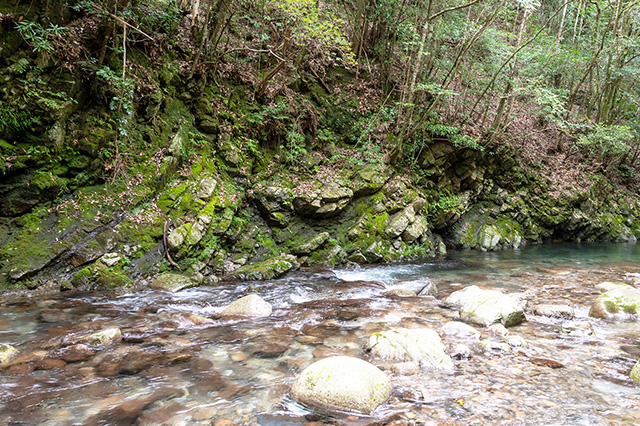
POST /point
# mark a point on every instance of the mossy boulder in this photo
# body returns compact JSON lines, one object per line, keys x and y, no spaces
{"x":422,"y":346}
{"x":619,"y":299}
{"x":311,"y":244}
{"x":486,"y":307}
{"x":102,"y":337}
{"x":369,"y":180}
{"x":101,"y":277}
{"x":324,"y":202}
{"x":342,"y":383}
{"x":635,"y":372}
{"x":173,"y":282}
{"x":399,"y":222}
{"x":269,"y":269}
{"x":249,"y":306}
{"x":7,"y":353}
{"x":481,"y":230}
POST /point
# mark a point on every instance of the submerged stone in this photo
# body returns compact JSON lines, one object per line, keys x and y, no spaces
{"x":422,"y":346}
{"x":102,"y":337}
{"x":486,"y":307}
{"x":342,"y":383}
{"x":618,"y":300}
{"x":251,"y":306}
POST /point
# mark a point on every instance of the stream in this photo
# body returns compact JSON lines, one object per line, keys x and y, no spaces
{"x":180,"y":363}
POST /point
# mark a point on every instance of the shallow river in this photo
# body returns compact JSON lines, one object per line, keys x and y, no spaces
{"x":179,"y":363}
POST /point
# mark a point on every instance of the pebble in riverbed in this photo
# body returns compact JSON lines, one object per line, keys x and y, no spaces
{"x":251,"y":306}
{"x":486,"y":307}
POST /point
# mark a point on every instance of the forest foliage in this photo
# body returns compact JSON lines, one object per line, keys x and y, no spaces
{"x":479,"y":72}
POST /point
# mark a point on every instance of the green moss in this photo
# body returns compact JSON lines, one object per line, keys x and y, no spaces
{"x":611,"y":306}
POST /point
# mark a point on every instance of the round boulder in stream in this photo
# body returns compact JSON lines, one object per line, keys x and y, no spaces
{"x":248,"y":306}
{"x":342,"y":383}
{"x":486,"y":307}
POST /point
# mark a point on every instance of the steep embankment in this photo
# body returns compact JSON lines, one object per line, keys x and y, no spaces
{"x":213,"y":180}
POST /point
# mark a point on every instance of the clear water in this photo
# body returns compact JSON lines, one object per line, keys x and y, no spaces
{"x":179,"y":363}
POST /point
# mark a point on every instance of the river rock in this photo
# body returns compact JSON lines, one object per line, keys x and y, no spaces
{"x":460,"y":329}
{"x":102,"y":337}
{"x":461,"y":351}
{"x":491,"y":346}
{"x":267,"y":270}
{"x":422,"y":346}
{"x":619,"y":299}
{"x":173,"y":282}
{"x":7,"y":353}
{"x":342,"y":383}
{"x":249,"y":306}
{"x":486,"y":307}
{"x":405,"y":368}
{"x":635,"y":372}
{"x":555,"y":311}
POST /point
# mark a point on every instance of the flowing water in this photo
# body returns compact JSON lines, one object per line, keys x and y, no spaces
{"x":180,"y":363}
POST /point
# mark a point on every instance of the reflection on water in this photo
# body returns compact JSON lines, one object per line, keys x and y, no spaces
{"x":179,"y":363}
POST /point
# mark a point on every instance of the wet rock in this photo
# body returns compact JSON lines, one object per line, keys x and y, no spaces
{"x":102,"y":337}
{"x":635,"y":372}
{"x":20,"y":369}
{"x":173,"y":282}
{"x":267,"y":270}
{"x":400,"y":292}
{"x":75,"y":353}
{"x":618,"y":300}
{"x":342,"y":383}
{"x":251,"y":306}
{"x":498,"y":330}
{"x":170,"y":414}
{"x":406,"y":368}
{"x":491,"y":346}
{"x":486,"y":307}
{"x":517,"y":342}
{"x":127,"y":410}
{"x":311,"y":244}
{"x":50,"y":364}
{"x":555,"y":311}
{"x":577,"y":328}
{"x":7,"y":354}
{"x":546,"y":362}
{"x":422,"y":346}
{"x":460,"y":329}
{"x":461,"y":351}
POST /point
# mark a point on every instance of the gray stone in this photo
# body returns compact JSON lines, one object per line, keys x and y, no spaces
{"x":250,"y":306}
{"x":399,"y":223}
{"x":418,"y":345}
{"x":517,"y":342}
{"x":415,"y":230}
{"x":111,"y":259}
{"x":405,"y":368}
{"x":460,"y":329}
{"x":206,"y":188}
{"x":486,"y":307}
{"x":461,"y":351}
{"x":344,"y":384}
{"x":577,"y":328}
{"x":555,"y":311}
{"x":491,"y":346}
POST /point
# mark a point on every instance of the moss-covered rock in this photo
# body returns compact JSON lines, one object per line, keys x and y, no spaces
{"x":173,"y":282}
{"x":310,"y":244}
{"x":7,"y":354}
{"x":635,"y":372}
{"x":274,"y":267}
{"x":619,"y":299}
